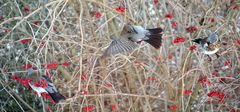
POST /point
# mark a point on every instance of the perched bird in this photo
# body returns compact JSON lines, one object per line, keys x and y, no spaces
{"x":130,"y":36}
{"x":209,"y":45}
{"x":43,"y":84}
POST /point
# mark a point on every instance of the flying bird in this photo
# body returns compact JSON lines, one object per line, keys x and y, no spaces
{"x":49,"y":89}
{"x":131,"y":36}
{"x":209,"y":45}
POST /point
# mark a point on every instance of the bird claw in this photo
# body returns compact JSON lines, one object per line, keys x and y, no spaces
{"x":209,"y":58}
{"x":217,"y":55}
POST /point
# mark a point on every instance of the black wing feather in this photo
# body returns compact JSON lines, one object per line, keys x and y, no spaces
{"x":155,"y":30}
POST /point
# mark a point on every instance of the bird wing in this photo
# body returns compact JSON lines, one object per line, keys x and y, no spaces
{"x":39,"y":90}
{"x":50,"y":88}
{"x":212,"y":38}
{"x":120,"y":46}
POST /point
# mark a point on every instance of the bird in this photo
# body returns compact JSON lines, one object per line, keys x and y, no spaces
{"x":209,"y":45}
{"x":131,"y":36}
{"x":49,"y":87}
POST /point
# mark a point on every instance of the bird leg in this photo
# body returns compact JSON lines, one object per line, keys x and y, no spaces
{"x":209,"y":58}
{"x":217,"y":55}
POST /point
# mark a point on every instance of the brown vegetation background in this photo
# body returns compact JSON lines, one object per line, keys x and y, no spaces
{"x":176,"y":77}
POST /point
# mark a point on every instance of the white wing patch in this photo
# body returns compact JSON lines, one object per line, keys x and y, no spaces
{"x":39,"y":90}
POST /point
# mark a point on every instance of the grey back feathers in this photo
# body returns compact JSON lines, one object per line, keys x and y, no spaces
{"x":212,"y":38}
{"x":139,"y":33}
{"x":50,"y":88}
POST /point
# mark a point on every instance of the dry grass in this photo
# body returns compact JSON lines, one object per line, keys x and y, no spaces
{"x":147,"y":80}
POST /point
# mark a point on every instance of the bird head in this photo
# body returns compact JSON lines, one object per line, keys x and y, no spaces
{"x":128,"y":30}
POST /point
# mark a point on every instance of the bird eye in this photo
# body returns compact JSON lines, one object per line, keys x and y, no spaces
{"x":129,"y":31}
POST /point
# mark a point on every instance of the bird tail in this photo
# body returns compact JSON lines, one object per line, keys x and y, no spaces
{"x":155,"y":30}
{"x":56,"y":96}
{"x":198,"y":40}
{"x":155,"y":37}
{"x":52,"y":91}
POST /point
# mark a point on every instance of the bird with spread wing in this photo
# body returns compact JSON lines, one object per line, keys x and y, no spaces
{"x":131,"y":36}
